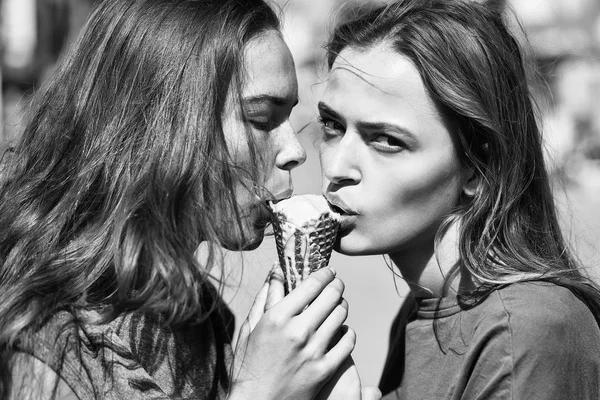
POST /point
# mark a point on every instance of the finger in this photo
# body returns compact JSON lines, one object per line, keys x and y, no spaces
{"x":340,"y":383}
{"x":276,"y":291}
{"x":258,"y":307}
{"x":306,"y":292}
{"x":341,"y":350}
{"x":371,"y":393}
{"x":242,"y":337}
{"x":329,"y":332}
{"x":320,"y":309}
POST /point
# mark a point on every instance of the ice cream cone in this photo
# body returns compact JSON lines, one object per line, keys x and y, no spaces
{"x":305,"y":231}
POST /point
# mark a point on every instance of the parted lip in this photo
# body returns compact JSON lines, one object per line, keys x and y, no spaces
{"x":336,"y":202}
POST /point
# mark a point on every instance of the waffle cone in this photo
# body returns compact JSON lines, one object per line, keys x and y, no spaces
{"x":303,"y":249}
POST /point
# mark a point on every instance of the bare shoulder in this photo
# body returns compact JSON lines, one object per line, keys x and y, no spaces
{"x":32,"y":379}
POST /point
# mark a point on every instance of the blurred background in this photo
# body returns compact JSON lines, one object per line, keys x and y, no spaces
{"x":564,"y":36}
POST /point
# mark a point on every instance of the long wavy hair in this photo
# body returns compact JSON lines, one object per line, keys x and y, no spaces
{"x":123,"y":169}
{"x":474,"y":70}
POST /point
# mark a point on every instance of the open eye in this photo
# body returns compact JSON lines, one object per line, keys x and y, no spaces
{"x":330,"y":126}
{"x":387,"y":143}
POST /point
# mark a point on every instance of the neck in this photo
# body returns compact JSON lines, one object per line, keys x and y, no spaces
{"x":427,"y":270}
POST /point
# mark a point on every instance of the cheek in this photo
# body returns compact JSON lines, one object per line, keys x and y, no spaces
{"x":322,"y":164}
{"x":253,"y":169}
{"x":430,"y":195}
{"x":400,"y":209}
{"x":269,"y":176}
{"x":326,"y":151}
{"x":247,"y":231}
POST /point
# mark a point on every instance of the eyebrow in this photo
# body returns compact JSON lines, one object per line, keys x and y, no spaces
{"x":267,"y":98}
{"x":325,"y":108}
{"x":385,"y":126}
{"x":372,"y":126}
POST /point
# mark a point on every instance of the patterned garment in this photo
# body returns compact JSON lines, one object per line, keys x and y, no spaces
{"x":136,"y":356}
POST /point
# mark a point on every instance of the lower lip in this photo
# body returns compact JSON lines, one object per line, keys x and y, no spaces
{"x":347,"y":222}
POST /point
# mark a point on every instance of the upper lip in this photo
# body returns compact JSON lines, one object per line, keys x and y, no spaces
{"x":336,"y":201}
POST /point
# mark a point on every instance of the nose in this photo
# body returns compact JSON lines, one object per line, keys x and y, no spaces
{"x":291,"y":154}
{"x":340,"y":160}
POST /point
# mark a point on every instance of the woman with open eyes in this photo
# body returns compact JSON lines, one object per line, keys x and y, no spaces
{"x":432,"y":153}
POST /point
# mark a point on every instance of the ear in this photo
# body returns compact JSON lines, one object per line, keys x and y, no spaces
{"x":469,"y":180}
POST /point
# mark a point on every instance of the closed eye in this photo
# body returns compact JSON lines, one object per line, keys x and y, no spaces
{"x":262,"y":125}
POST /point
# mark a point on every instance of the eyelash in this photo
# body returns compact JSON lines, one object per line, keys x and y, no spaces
{"x":262,"y":126}
{"x":326,"y":129}
{"x":384,"y":148}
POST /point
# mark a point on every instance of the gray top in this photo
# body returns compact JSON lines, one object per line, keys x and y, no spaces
{"x":531,"y":340}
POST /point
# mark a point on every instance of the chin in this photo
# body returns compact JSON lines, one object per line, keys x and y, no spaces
{"x":252,"y":236}
{"x":358,"y":252}
{"x":253,"y":244}
{"x":256,"y":233}
{"x":352,"y":248}
{"x":250,"y":243}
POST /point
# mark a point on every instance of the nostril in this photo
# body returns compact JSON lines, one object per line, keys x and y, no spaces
{"x":290,"y":165}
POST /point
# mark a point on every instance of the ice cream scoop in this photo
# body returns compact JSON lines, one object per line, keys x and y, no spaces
{"x":305,"y":230}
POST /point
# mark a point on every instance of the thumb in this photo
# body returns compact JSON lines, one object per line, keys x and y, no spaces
{"x":371,"y":393}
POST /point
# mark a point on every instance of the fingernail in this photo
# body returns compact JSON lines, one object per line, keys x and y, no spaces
{"x":273,"y":270}
{"x":333,"y":270}
{"x":269,"y":276}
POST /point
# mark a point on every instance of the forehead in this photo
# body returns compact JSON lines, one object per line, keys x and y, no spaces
{"x":379,"y":76}
{"x":269,"y":67}
{"x":378,"y":85}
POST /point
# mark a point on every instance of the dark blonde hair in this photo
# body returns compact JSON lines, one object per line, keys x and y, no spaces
{"x":123,"y":168}
{"x":473,"y":69}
